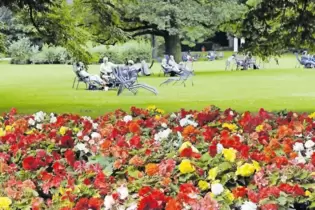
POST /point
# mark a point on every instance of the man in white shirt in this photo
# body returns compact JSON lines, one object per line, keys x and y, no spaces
{"x":106,"y":69}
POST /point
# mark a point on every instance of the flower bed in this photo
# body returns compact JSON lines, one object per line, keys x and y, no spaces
{"x":150,"y":160}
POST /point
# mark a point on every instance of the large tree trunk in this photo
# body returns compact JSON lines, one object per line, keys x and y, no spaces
{"x":173,"y":47}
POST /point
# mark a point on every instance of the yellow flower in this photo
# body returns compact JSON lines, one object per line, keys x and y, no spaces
{"x":187,"y":144}
{"x":230,"y":196}
{"x":63,"y":130}
{"x":312,"y":115}
{"x":313,"y":173}
{"x":185,"y":167}
{"x":229,"y":154}
{"x":256,"y":165}
{"x":213,"y":173}
{"x":246,"y":170}
{"x":211,"y":195}
{"x":29,"y":132}
{"x":8,"y":128}
{"x":151,"y":108}
{"x":157,"y":117}
{"x":2,"y":132}
{"x":161,"y":111}
{"x":203,"y":185}
{"x":259,"y":128}
{"x":231,"y":127}
{"x":76,"y":130}
{"x":307,"y":193}
{"x":5,"y":203}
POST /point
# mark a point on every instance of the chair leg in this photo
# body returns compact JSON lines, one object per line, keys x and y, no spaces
{"x":78,"y":84}
{"x":75,"y":79}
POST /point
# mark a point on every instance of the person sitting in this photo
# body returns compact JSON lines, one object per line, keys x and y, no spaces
{"x":172,"y":63}
{"x":142,"y":66}
{"x":92,"y":80}
{"x":106,"y":70}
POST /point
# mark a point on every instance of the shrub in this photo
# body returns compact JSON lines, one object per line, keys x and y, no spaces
{"x":21,"y":51}
{"x":51,"y":55}
{"x":119,"y":53}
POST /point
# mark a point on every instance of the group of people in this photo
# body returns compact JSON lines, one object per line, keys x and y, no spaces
{"x":106,"y":79}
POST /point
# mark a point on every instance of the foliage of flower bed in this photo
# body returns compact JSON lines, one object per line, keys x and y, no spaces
{"x":146,"y":159}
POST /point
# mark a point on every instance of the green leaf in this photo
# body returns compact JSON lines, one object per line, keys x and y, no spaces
{"x":133,"y":172}
{"x":282,"y":200}
{"x":224,"y":167}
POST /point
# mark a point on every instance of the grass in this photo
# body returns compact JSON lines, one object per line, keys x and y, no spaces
{"x":31,"y":88}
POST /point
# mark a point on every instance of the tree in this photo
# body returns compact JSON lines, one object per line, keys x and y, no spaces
{"x":186,"y":21}
{"x":271,"y":26}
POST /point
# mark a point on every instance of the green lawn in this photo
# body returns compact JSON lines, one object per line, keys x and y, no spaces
{"x":31,"y":88}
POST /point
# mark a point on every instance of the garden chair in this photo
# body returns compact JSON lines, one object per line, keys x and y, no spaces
{"x":78,"y":78}
{"x":182,"y":77}
{"x":220,"y":55}
{"x":127,"y":79}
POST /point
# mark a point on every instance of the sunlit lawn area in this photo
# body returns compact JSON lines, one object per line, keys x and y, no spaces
{"x":31,"y":88}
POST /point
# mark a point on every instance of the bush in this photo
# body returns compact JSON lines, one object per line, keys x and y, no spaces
{"x":21,"y":51}
{"x":51,"y":55}
{"x":119,"y":53}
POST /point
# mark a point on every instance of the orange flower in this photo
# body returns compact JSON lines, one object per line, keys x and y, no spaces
{"x":166,"y":181}
{"x":151,"y":169}
{"x":106,"y":130}
{"x":117,"y":164}
{"x":284,"y":131}
{"x":173,"y":204}
{"x":106,"y":144}
{"x":190,"y":132}
{"x":136,"y":161}
{"x":134,"y":127}
{"x":293,"y":155}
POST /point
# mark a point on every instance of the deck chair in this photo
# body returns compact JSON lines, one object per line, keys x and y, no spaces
{"x":182,"y":77}
{"x":128,"y":80}
{"x":79,"y":79}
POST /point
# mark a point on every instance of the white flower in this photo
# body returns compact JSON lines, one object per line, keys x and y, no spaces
{"x":31,"y":122}
{"x":309,"y":144}
{"x":96,"y":135}
{"x":86,"y":138}
{"x":127,"y":118}
{"x":173,"y":115}
{"x":39,"y":126}
{"x":81,"y":147}
{"x":219,"y":148}
{"x":133,"y":206}
{"x":79,"y":134}
{"x":284,"y":179}
{"x":162,"y":135}
{"x":164,"y":125}
{"x":91,"y":142}
{"x":297,"y":147}
{"x":109,"y":202}
{"x":300,"y":159}
{"x":39,"y":116}
{"x":95,"y":126}
{"x":249,"y":206}
{"x":299,"y":135}
{"x":231,"y":113}
{"x":309,"y":153}
{"x":183,"y":122}
{"x":123,"y":192}
{"x":53,"y":119}
{"x":217,"y":188}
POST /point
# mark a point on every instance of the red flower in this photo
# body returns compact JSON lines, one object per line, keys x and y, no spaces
{"x":67,"y":141}
{"x":95,"y":203}
{"x":213,"y":149}
{"x":188,"y":152}
{"x":59,"y":169}
{"x":134,"y":127}
{"x":144,"y":191}
{"x":70,"y":156}
{"x":252,"y":196}
{"x":239,"y":192}
{"x":269,"y":206}
{"x":30,"y":163}
{"x":313,"y":159}
{"x":135,"y":142}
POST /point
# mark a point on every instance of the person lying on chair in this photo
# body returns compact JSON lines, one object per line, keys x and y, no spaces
{"x":90,"y":79}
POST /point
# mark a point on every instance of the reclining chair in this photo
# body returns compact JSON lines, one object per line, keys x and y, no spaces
{"x":78,"y":78}
{"x":127,"y":79}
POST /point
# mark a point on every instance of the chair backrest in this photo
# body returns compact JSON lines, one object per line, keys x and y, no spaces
{"x":76,"y":71}
{"x":125,"y":76}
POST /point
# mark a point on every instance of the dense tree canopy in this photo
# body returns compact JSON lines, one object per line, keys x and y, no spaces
{"x":271,"y":26}
{"x":186,"y":21}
